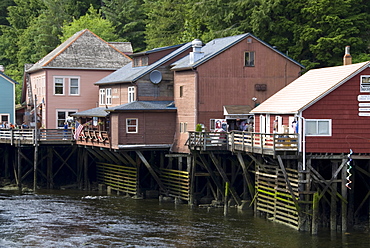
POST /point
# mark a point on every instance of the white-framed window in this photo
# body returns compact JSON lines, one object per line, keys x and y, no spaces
{"x":62,"y":115}
{"x":131,"y":94}
{"x":131,"y":125}
{"x":183,"y":127}
{"x":64,"y":83}
{"x":102,"y":96}
{"x":74,"y":86}
{"x":319,"y":127}
{"x":365,"y":83}
{"x":4,"y":118}
{"x":249,"y":58}
{"x":108,"y":94}
{"x":58,"y":86}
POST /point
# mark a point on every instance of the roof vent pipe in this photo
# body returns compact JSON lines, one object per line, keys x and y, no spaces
{"x":196,"y":54}
{"x":347,"y":59}
{"x":2,"y":69}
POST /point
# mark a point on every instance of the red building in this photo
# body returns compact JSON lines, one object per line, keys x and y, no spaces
{"x":236,"y":72}
{"x":330,"y":107}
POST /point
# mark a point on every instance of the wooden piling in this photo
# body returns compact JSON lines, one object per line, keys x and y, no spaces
{"x":226,"y":206}
{"x":344,"y":201}
{"x":315,"y":213}
{"x":333,"y":201}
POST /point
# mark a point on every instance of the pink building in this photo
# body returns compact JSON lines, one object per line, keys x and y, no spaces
{"x":63,"y":81}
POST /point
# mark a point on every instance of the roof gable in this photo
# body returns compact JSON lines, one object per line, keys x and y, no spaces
{"x":217,"y":46}
{"x":128,"y":73}
{"x":309,"y":88}
{"x":83,"y":50}
{"x":7,"y":78}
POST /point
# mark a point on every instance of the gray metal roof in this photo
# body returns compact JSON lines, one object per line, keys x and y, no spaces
{"x":145,"y":105}
{"x":128,"y":73}
{"x":217,"y":46}
{"x":95,"y":112}
{"x":84,"y":50}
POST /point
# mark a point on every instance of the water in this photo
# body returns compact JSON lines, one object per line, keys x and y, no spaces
{"x":74,"y":219}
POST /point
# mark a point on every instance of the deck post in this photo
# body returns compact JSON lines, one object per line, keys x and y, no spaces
{"x":86,"y":168}
{"x":344,"y":196}
{"x":191,"y":170}
{"x":49,"y":172}
{"x":19,"y":172}
{"x":333,"y":202}
{"x":315,"y":213}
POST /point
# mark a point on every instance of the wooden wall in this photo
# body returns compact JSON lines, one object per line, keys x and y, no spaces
{"x":153,"y":128}
{"x":349,"y":130}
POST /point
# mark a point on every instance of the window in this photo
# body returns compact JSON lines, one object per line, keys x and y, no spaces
{"x":102,"y":96}
{"x":249,"y":58}
{"x":108,"y":93}
{"x":4,"y":118}
{"x":131,"y":94}
{"x":131,"y":125}
{"x":183,"y":127}
{"x":181,"y":91}
{"x":365,"y":84}
{"x":62,"y":116}
{"x":74,"y":86}
{"x":141,"y":61}
{"x":318,"y":127}
{"x":58,"y":86}
{"x":212,"y":124}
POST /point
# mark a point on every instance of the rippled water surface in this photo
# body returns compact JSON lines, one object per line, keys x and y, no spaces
{"x":74,"y":219}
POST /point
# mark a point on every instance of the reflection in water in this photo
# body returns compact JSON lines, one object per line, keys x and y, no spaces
{"x":70,"y":219}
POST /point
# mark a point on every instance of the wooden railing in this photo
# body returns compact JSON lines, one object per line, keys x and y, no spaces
{"x":208,"y":140}
{"x":28,"y":135}
{"x":94,"y":138}
{"x":243,"y":141}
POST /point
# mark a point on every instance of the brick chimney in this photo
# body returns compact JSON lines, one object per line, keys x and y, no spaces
{"x":347,"y":59}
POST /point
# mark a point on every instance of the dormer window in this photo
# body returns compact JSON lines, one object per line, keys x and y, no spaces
{"x":141,"y":61}
{"x":249,"y":59}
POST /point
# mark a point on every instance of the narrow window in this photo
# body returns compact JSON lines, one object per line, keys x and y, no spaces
{"x":181,"y":91}
{"x":181,"y":127}
{"x":108,"y":93}
{"x":102,"y":97}
{"x":74,"y":86}
{"x":249,"y":59}
{"x":58,"y":86}
{"x":131,"y":125}
{"x":131,"y":94}
{"x":212,"y":124}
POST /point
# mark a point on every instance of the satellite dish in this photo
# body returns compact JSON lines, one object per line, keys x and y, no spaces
{"x":155,"y":77}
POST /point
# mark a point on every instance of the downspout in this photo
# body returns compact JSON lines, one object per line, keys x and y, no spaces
{"x":302,"y":137}
{"x":196,"y":96}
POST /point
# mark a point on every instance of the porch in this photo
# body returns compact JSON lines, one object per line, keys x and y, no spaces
{"x":261,"y":143}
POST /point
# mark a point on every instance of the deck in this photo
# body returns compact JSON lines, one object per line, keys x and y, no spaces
{"x":261,"y":143}
{"x":94,"y":138}
{"x":44,"y":136}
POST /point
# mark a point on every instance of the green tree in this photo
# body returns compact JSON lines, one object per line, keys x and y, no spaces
{"x":165,"y":23}
{"x":128,"y":17}
{"x":92,"y":21}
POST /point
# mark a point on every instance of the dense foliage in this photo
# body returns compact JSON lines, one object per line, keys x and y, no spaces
{"x":313,"y":32}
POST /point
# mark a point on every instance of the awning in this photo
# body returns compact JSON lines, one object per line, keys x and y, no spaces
{"x":237,"y":111}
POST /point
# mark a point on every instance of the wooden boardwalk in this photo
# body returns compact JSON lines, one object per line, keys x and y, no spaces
{"x":28,"y":136}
